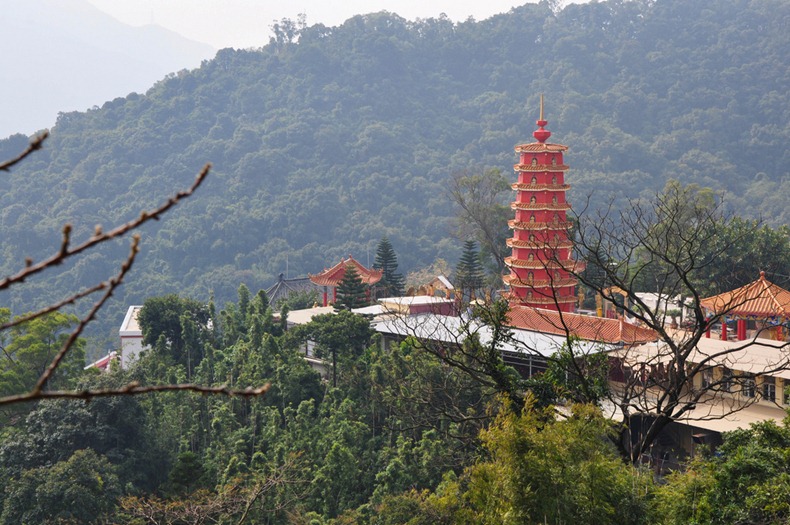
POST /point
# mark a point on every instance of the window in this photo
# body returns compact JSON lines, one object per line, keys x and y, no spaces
{"x":748,"y":387}
{"x":726,"y":379}
{"x":769,"y":388}
{"x":531,"y":218}
{"x":554,"y":179}
{"x":530,"y":277}
{"x":533,"y":200}
{"x":707,"y":377}
{"x":554,"y":199}
{"x":531,"y":257}
{"x":534,"y":180}
{"x":553,"y":160}
{"x":534,"y":161}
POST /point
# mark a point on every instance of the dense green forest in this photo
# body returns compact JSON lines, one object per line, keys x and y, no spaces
{"x":329,"y":138}
{"x":401,"y":438}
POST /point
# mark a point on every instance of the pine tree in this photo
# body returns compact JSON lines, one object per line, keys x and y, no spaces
{"x":469,"y":271}
{"x":392,"y":282}
{"x":351,"y":292}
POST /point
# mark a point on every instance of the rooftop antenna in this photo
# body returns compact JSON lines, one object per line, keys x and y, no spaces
{"x":541,"y":106}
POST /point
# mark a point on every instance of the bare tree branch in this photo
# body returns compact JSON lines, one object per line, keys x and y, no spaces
{"x":112,"y":284}
{"x":65,"y":251}
{"x":134,"y":389}
{"x":35,"y":144}
{"x":54,"y":307}
{"x":99,"y":236}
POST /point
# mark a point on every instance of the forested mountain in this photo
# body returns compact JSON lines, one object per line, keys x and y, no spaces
{"x":328,"y":139}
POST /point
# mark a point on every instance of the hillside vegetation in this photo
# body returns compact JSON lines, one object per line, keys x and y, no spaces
{"x":328,"y":139}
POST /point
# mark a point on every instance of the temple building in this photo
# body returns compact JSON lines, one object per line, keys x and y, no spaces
{"x":541,"y":249}
{"x":331,"y":277}
{"x":759,"y":309}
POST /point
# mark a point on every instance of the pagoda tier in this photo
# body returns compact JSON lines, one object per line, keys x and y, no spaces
{"x":540,"y":262}
{"x":331,"y":277}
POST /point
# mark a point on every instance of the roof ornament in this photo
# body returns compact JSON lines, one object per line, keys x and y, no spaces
{"x":541,"y":135}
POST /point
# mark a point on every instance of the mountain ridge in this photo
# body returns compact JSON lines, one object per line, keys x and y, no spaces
{"x":68,"y":55}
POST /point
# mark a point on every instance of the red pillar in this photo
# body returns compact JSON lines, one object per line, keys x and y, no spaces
{"x":741,"y":329}
{"x":723,"y":330}
{"x":325,"y":296}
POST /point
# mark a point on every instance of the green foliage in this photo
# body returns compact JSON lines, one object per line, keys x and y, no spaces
{"x":483,"y":211}
{"x":28,"y":349}
{"x":299,"y":300}
{"x":747,"y":481}
{"x":351,"y":292}
{"x":176,"y":325}
{"x":114,"y":427}
{"x":578,"y":378}
{"x":343,"y":336}
{"x":392,"y":282}
{"x":548,"y":471}
{"x":81,"y":489}
{"x":742,"y":249}
{"x":469,"y":270}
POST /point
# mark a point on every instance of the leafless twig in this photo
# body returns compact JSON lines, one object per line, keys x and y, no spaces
{"x":35,"y":144}
{"x":66,"y":250}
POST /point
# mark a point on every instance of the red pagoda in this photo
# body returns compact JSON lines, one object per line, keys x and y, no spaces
{"x":541,"y":250}
{"x":331,"y":277}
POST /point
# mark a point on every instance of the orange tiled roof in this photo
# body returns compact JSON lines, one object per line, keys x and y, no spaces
{"x":539,"y":147}
{"x":760,"y":298}
{"x":585,"y":327}
{"x":538,"y":187}
{"x":540,"y":167}
{"x":332,"y":276}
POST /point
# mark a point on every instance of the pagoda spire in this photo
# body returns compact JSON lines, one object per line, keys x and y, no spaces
{"x":541,"y":134}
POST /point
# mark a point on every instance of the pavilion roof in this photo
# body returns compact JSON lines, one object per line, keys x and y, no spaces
{"x":284,"y":287}
{"x":332,"y":276}
{"x":540,"y":147}
{"x":586,"y":327}
{"x":759,"y":299}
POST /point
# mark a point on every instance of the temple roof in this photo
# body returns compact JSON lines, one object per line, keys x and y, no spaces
{"x":540,"y":147}
{"x":332,"y":276}
{"x":760,"y":298}
{"x":585,"y":327}
{"x":284,"y":287}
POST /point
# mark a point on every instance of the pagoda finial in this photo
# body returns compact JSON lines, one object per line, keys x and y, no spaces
{"x":541,"y":134}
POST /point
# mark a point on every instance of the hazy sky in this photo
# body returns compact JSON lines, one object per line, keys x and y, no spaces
{"x":245,"y":23}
